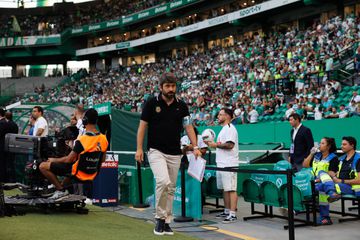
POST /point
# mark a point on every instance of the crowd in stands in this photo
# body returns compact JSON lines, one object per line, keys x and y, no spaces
{"x":258,"y":77}
{"x":103,"y":10}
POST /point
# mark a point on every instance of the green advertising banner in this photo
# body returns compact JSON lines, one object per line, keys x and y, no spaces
{"x":123,"y":45}
{"x":30,"y":40}
{"x":103,"y":108}
{"x":134,"y":17}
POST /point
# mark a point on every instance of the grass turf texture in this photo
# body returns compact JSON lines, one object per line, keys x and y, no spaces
{"x":98,"y":224}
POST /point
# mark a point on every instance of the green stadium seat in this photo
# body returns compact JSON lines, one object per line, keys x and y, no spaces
{"x":251,"y":191}
{"x":342,"y":94}
{"x":301,"y":190}
{"x":346,"y":89}
{"x":251,"y":187}
{"x":270,"y":194}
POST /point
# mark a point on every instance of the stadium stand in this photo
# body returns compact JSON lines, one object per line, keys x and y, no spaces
{"x":266,"y":72}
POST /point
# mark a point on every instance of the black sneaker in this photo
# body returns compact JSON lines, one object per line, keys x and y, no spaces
{"x":230,"y":219}
{"x":168,"y":230}
{"x":159,"y":227}
{"x":222,"y":215}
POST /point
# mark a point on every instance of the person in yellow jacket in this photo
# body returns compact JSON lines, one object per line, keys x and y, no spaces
{"x":323,"y":158}
{"x":346,"y":179}
{"x":83,"y":162}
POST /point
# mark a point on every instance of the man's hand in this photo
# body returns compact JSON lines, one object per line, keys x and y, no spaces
{"x":139,"y":155}
{"x":336,"y":180}
{"x":197,"y":153}
{"x":211,"y":144}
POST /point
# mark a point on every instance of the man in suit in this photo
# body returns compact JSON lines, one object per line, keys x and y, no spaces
{"x":11,"y":127}
{"x":3,"y":124}
{"x":301,"y":142}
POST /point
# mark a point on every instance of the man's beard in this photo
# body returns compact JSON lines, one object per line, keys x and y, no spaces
{"x":169,"y":95}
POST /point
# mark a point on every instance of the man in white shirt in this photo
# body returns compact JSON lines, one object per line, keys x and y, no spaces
{"x":227,"y":155}
{"x":355,"y":98}
{"x":289,"y":111}
{"x":343,"y":112}
{"x":252,"y":115}
{"x":41,"y":127}
{"x":79,"y":113}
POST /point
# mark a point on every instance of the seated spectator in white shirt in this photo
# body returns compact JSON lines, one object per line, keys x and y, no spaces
{"x":343,"y":112}
{"x":252,"y":115}
{"x":355,"y":98}
{"x":289,"y":111}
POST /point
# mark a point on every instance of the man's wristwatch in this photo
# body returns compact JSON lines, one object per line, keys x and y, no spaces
{"x":196,"y":148}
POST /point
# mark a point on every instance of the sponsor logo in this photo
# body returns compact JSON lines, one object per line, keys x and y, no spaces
{"x":112,"y":24}
{"x":160,"y":9}
{"x":175,"y":4}
{"x":128,"y":19}
{"x":79,"y":30}
{"x":218,"y":20}
{"x":250,"y":11}
{"x":123,"y":45}
{"x":144,"y":14}
{"x":109,"y":165}
{"x":94,"y":27}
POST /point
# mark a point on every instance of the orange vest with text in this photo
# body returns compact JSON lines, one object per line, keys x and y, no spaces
{"x":88,"y":163}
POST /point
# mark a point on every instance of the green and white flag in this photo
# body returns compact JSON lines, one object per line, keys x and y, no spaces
{"x":15,"y":25}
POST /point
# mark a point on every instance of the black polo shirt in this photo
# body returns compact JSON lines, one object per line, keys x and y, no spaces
{"x":165,"y":124}
{"x":346,"y":168}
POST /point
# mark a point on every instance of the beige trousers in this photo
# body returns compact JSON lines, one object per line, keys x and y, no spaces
{"x":165,"y":168}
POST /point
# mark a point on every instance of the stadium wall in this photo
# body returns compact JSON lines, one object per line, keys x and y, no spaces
{"x":125,"y":124}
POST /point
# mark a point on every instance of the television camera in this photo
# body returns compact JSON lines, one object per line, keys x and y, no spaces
{"x":37,"y":150}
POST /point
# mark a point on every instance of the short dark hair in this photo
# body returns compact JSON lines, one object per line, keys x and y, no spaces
{"x":331,"y":142}
{"x":91,"y":116}
{"x":168,"y":78}
{"x":40,"y":109}
{"x":9,"y":116}
{"x":2,"y":112}
{"x":295,"y":116}
{"x":350,"y":140}
{"x":228,"y":111}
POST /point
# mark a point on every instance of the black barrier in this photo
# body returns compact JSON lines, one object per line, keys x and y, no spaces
{"x":183,"y":217}
{"x":141,"y":201}
{"x":289,"y":174}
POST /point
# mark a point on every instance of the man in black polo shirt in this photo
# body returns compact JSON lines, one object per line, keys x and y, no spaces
{"x":165,"y":116}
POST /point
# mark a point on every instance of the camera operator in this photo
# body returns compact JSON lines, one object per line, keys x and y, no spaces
{"x":84,"y":160}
